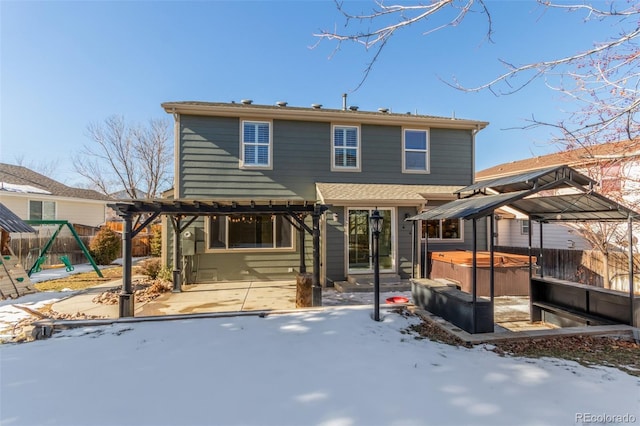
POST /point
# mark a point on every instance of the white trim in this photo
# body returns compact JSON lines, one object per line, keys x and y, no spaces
{"x":269,"y":165}
{"x":427,"y":153}
{"x":358,"y":167}
{"x":177,"y":134}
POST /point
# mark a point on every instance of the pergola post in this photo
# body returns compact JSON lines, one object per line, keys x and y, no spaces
{"x":303,"y":265}
{"x":316,"y":295}
{"x":126,"y":298}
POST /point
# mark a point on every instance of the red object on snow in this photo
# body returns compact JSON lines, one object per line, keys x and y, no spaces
{"x":397,"y":299}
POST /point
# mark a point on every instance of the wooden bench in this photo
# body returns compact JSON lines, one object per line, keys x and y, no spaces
{"x":566,"y":317}
{"x":569,"y":304}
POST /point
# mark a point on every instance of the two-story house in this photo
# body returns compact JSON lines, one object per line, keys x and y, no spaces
{"x":352,"y":161}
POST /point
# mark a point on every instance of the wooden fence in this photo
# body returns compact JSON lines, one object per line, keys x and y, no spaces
{"x":583,"y":266}
{"x":141,"y":244}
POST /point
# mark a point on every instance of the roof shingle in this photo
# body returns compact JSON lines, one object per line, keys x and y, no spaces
{"x":19,"y":175}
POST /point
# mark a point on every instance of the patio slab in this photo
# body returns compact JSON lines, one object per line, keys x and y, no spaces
{"x":236,"y":296}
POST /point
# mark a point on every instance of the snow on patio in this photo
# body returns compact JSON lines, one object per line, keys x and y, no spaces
{"x":333,"y":367}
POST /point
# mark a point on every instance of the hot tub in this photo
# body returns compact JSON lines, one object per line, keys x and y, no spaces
{"x":511,"y":271}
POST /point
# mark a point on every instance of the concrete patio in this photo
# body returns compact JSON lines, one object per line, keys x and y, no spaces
{"x":236,"y":296}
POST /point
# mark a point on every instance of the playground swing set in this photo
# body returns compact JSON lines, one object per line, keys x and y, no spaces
{"x":42,"y":256}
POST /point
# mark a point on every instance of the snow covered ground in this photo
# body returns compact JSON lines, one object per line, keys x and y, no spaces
{"x":335,"y":367}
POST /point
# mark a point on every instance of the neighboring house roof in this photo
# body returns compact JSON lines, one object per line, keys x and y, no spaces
{"x":10,"y":222}
{"x":342,"y":193}
{"x":317,"y":113}
{"x":21,"y":179}
{"x":575,"y":158}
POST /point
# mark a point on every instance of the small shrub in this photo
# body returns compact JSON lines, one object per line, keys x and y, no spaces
{"x":105,"y":246}
{"x":155,"y":244}
{"x":166,"y":274}
{"x":151,"y":267}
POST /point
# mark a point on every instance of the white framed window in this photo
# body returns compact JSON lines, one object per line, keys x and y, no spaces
{"x":255,"y":145}
{"x":345,"y":152}
{"x":42,"y":210}
{"x":524,"y":227}
{"x":415,"y":151}
{"x":249,"y":232}
{"x":443,"y":229}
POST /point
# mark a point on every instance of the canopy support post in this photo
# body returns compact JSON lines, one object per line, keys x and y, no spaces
{"x":631,"y":281}
{"x":474,"y":280}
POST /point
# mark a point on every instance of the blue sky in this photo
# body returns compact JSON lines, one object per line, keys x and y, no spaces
{"x":67,"y":64}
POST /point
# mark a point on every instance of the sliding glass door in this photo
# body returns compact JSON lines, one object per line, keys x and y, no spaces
{"x":361,"y":241}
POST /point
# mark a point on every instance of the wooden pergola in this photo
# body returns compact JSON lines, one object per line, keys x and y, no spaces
{"x":138,"y":214}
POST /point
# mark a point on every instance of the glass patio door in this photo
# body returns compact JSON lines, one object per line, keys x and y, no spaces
{"x":361,"y":241}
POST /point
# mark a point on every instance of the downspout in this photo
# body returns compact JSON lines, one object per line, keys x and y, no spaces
{"x":473,"y":153}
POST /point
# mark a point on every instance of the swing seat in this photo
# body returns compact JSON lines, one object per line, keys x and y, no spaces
{"x":39,"y":263}
{"x":67,"y":263}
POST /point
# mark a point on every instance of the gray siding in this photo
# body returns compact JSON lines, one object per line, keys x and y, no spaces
{"x":334,"y":245}
{"x":405,"y":240}
{"x":210,"y":146}
{"x":209,"y":150}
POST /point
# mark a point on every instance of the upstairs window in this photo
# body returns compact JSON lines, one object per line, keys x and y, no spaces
{"x":256,"y":144}
{"x":346,"y":149}
{"x":415,"y":151}
{"x":42,"y":210}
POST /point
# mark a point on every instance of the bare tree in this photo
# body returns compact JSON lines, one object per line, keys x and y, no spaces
{"x":46,"y":168}
{"x":134,"y":159}
{"x":603,"y":76}
{"x":602,"y":80}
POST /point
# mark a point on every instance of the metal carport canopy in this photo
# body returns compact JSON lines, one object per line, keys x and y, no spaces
{"x":588,"y":206}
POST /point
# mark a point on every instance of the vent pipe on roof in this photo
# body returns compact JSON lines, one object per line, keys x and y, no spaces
{"x":316,"y":106}
{"x":246,"y":101}
{"x":344,"y":101}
